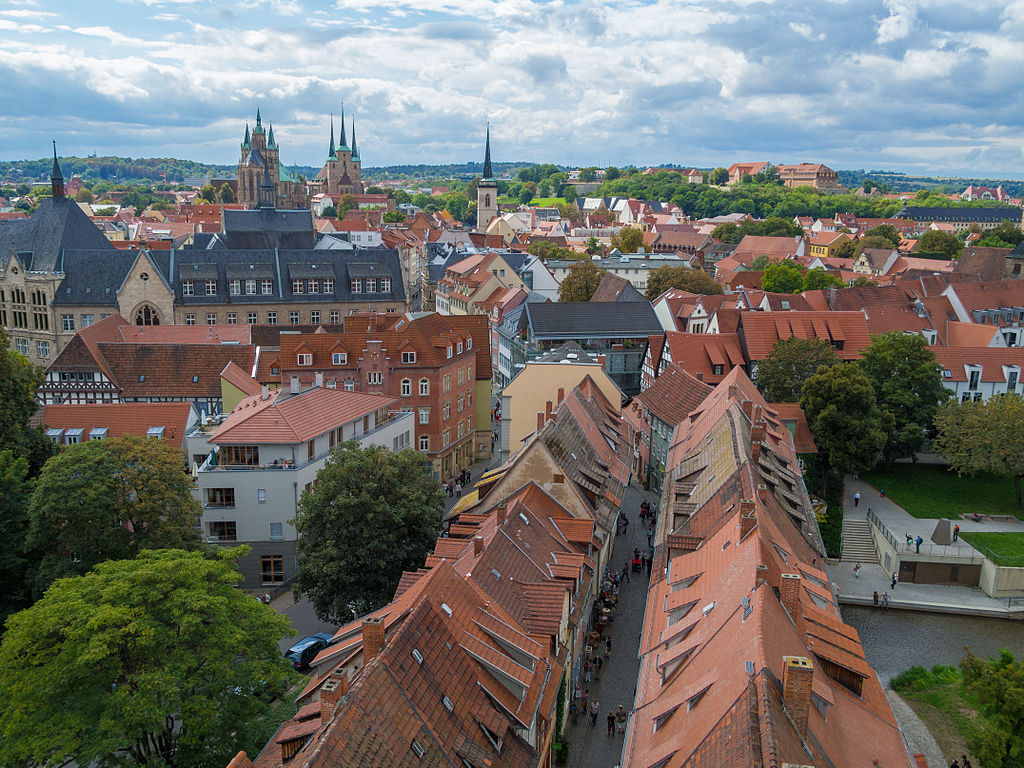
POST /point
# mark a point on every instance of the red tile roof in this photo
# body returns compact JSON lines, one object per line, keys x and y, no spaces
{"x":123,"y":419}
{"x":760,"y":330}
{"x":673,"y":395}
{"x":990,"y":359}
{"x":699,"y":353}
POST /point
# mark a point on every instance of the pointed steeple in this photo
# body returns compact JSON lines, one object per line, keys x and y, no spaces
{"x":56,"y":179}
{"x":355,"y":149}
{"x":330,"y":155}
{"x":343,"y":145}
{"x":488,"y":173}
{"x":266,"y":196}
{"x":270,"y":138}
{"x":259,"y":123}
{"x":245,"y":141}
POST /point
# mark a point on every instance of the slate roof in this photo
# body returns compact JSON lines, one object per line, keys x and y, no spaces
{"x":586,"y":320}
{"x":266,"y":228}
{"x":92,"y":277}
{"x":992,"y":215}
{"x":58,"y":224}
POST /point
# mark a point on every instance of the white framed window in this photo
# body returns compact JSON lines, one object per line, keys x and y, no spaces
{"x":211,"y":318}
{"x":276,"y":531}
{"x":449,"y":352}
{"x":314,"y":316}
{"x":374,"y":377}
{"x":87,"y":320}
{"x":424,"y":387}
{"x":313,"y":286}
{"x":21,"y":345}
{"x":458,"y":348}
{"x":250,"y":287}
{"x":335,"y":316}
{"x":446,"y":438}
{"x":42,"y":349}
{"x":252,"y":318}
{"x":385,"y":285}
{"x":267,"y":287}
{"x":462,"y":428}
{"x":293,"y":318}
{"x":190,"y":318}
{"x":304,"y":359}
{"x":232,"y":318}
{"x":424,"y":415}
{"x":188,"y":288}
{"x":211,"y":287}
{"x":469,"y":343}
{"x":261,"y":495}
{"x":424,"y":442}
{"x":406,"y":387}
{"x":235,"y":287}
{"x":298,"y":286}
{"x":356,"y":285}
{"x":339,"y":358}
{"x":408,"y":357}
{"x":328,"y":285}
{"x":350,"y":385}
{"x":67,"y":322}
{"x":371,"y":285}
{"x":271,"y":318}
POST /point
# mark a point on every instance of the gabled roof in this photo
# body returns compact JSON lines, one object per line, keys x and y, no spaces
{"x":57,"y":225}
{"x":560,"y":320}
{"x":699,"y":353}
{"x":992,"y":361}
{"x":760,"y":330}
{"x":123,"y":419}
{"x":171,"y":370}
{"x":240,"y":379}
{"x":673,"y":395}
{"x":615,"y":288}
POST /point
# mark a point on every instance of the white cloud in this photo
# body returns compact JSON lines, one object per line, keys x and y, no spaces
{"x":901,"y":19}
{"x":805,"y":30}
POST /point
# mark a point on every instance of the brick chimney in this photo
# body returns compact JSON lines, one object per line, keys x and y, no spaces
{"x":540,"y":420}
{"x":478,"y":545}
{"x":748,"y":517}
{"x":561,"y":395}
{"x":755,"y":450}
{"x":757,"y":432}
{"x":373,"y":637}
{"x":762,"y":493}
{"x":331,"y":693}
{"x":789,"y":594}
{"x":762,"y":574}
{"x":733,"y":391}
{"x":502,"y":512}
{"x":797,"y":676}
{"x":547,"y":411}
{"x":747,"y":406}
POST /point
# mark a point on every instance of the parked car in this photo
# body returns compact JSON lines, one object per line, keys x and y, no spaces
{"x":304,"y":651}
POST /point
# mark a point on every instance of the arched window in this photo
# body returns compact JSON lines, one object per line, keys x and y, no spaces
{"x":424,"y":387}
{"x":147,"y":316}
{"x":406,"y":387}
{"x":487,"y":201}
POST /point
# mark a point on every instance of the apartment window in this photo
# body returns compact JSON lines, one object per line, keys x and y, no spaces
{"x":350,"y":385}
{"x":21,"y":345}
{"x":311,"y":449}
{"x":449,"y":351}
{"x":447,"y":382}
{"x":424,"y":415}
{"x":408,"y":357}
{"x":446,"y":412}
{"x":314,"y":316}
{"x":67,"y":322}
{"x":220,"y":497}
{"x":211,"y":318}
{"x":1011,"y":381}
{"x":211,"y":287}
{"x":305,"y":359}
{"x":87,"y":320}
{"x":385,"y":285}
{"x":232,"y":318}
{"x":271,"y":318}
{"x":469,"y":343}
{"x":42,"y":349}
{"x":458,"y":348}
{"x":374,"y":377}
{"x":462,"y":377}
{"x":313,"y":286}
{"x":250,"y":287}
{"x":190,"y":318}
{"x":462,"y":403}
{"x":371,"y":285}
{"x":356,"y":285}
{"x":446,"y":438}
{"x":267,"y":287}
{"x":335,"y":316}
{"x":406,"y":387}
{"x":272,"y":569}
{"x":297,"y":286}
{"x":424,"y":387}
{"x":339,"y":358}
{"x":328,"y":285}
{"x":276,"y":531}
{"x":424,"y":442}
{"x":975,"y":378}
{"x":261,"y":496}
{"x":40,"y":321}
{"x":293,"y":318}
{"x":235,"y":287}
{"x":222,"y":530}
{"x":462,"y":428}
{"x":188,"y":288}
{"x":252,"y":318}
{"x":716,"y":370}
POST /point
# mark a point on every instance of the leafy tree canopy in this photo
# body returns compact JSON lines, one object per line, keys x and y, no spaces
{"x":817,"y":278}
{"x":580,"y":282}
{"x":628,"y":240}
{"x":719,"y":176}
{"x":781,"y":375}
{"x":934,"y":241}
{"x":999,"y":685}
{"x":683,"y":278}
{"x":908,"y":387}
{"x":888,"y":231}
{"x":983,"y":436}
{"x":1006,"y":235}
{"x":545,"y":249}
{"x":144,"y":662}
{"x":15,"y":491}
{"x":783,"y":277}
{"x":762,"y":262}
{"x":373,"y":514}
{"x":130,"y":493}
{"x":18,"y":382}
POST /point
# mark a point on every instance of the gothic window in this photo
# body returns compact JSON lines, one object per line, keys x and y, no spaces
{"x":146,"y":315}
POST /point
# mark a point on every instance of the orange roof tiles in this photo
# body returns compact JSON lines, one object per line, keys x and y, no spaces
{"x":123,"y":419}
{"x":761,"y":330}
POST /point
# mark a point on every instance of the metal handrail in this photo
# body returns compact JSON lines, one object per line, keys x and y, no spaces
{"x":950,"y":552}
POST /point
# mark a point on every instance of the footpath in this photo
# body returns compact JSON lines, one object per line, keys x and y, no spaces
{"x":936,"y":598}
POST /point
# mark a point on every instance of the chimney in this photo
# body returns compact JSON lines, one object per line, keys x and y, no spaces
{"x":789,"y":594}
{"x":540,"y":421}
{"x":319,"y":378}
{"x":797,"y":676}
{"x":762,"y":574}
{"x":547,"y":411}
{"x":758,"y":416}
{"x":295,"y":385}
{"x":699,"y":376}
{"x":478,"y":545}
{"x":755,"y":451}
{"x":502,"y":512}
{"x":331,"y":693}
{"x":373,"y":637}
{"x":264,"y":392}
{"x":762,"y":493}
{"x":757,"y":432}
{"x":748,"y":517}
{"x":747,"y":406}
{"x":733,"y":391}
{"x":561,"y":395}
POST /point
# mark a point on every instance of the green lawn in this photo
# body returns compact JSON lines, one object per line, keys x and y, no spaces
{"x":546,"y":202}
{"x":1006,"y":548}
{"x":930,"y":491}
{"x":939,"y":699}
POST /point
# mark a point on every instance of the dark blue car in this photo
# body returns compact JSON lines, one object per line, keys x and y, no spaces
{"x":304,"y":651}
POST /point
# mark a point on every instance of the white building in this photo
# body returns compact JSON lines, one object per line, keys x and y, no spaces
{"x":268,"y":451}
{"x":977,"y":373}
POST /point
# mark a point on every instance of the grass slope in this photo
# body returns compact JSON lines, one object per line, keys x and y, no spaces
{"x":931,"y":491}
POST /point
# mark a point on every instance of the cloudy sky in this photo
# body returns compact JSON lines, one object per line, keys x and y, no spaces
{"x":930,"y":86}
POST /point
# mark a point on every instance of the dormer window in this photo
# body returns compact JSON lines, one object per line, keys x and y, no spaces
{"x":449,"y":352}
{"x":408,"y":357}
{"x":458,"y":348}
{"x":304,"y":359}
{"x":339,"y":358}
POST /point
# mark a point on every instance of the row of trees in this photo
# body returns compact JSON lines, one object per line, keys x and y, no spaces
{"x":583,"y":278}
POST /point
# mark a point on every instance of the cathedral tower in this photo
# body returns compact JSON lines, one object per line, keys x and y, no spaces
{"x":486,"y":190}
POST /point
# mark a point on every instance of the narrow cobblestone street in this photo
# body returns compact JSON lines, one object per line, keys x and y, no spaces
{"x":590,"y":746}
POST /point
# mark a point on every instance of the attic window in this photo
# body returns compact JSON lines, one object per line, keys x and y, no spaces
{"x":195,"y":379}
{"x":947,"y":374}
{"x":707,"y":608}
{"x":447,"y":609}
{"x":495,"y":574}
{"x":417,"y":656}
{"x":417,"y":749}
{"x":726,"y":545}
{"x":663,"y":718}
{"x":694,"y":700}
{"x":524,"y":518}
{"x":448,"y":704}
{"x":142,"y":377}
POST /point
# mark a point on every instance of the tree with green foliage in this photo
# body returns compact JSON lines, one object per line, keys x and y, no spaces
{"x":682,"y":277}
{"x":874,"y":241}
{"x":816,"y":279}
{"x":569,"y":211}
{"x":983,"y":437}
{"x":159,"y":660}
{"x":935,"y":241}
{"x":781,"y":375}
{"x":611,"y":173}
{"x":580,"y":282}
{"x":546,"y":249}
{"x":719,"y":176}
{"x":628,"y":239}
{"x":393,"y":217}
{"x":762,"y":262}
{"x":594,"y":247}
{"x":208,"y":193}
{"x":18,"y":382}
{"x":346,"y":203}
{"x":84,"y":195}
{"x":1006,"y":235}
{"x":526,"y":195}
{"x":330,"y":212}
{"x":15,"y":492}
{"x":863,"y":282}
{"x":588,"y":175}
{"x":131,"y":493}
{"x":888,"y":231}
{"x":908,"y":387}
{"x":999,"y":685}
{"x":373,"y":514}
{"x":782,"y":277}
{"x":226,"y":193}
{"x":727,"y":233}
{"x":844,"y":418}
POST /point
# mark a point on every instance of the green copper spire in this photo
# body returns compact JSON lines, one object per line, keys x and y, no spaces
{"x":355,"y":150}
{"x":488,"y":173}
{"x":259,"y":123}
{"x":330,"y":154}
{"x":270,"y":138}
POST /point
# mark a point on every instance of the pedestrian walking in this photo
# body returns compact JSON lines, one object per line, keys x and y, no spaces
{"x":885,"y":599}
{"x":611,"y":723}
{"x":588,"y":668}
{"x":856,"y":570}
{"x":595,"y":710}
{"x":458,"y":490}
{"x":597,"y":667}
{"x":955,"y":763}
{"x":625,"y":571}
{"x":956,"y":532}
{"x":650,"y":535}
{"x":895,"y":580}
{"x":874,"y":597}
{"x":964,"y":762}
{"x":856,"y":500}
{"x":918,"y":542}
{"x":608,"y":646}
{"x":620,"y":719}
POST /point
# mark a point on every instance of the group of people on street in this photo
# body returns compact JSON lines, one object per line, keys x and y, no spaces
{"x":454,"y":486}
{"x":883,"y":600}
{"x":963,"y":762}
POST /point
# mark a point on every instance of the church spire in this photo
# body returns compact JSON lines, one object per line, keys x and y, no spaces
{"x":259,"y":121}
{"x":330,"y":155}
{"x":56,"y":179}
{"x":245,"y":141}
{"x":344,"y":142}
{"x":488,"y":173}
{"x":355,"y":150}
{"x":270,"y":138}
{"x":266,"y":197}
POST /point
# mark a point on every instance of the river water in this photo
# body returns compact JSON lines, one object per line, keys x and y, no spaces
{"x":895,"y":640}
